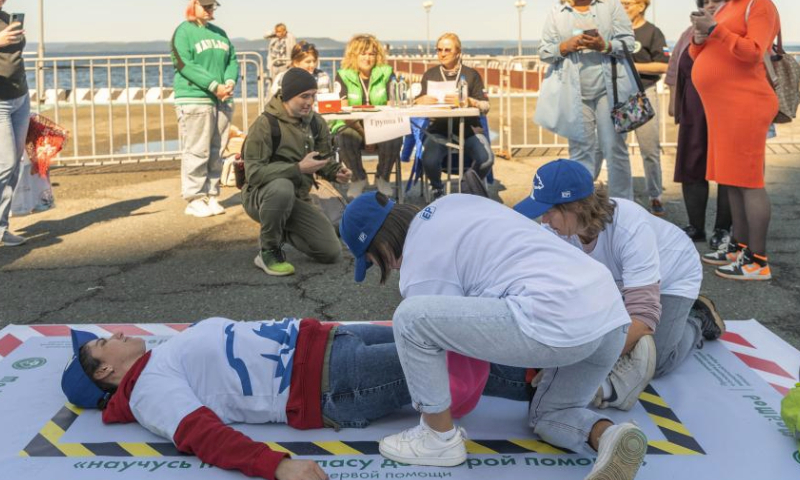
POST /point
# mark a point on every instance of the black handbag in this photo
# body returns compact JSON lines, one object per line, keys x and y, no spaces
{"x":636,"y":110}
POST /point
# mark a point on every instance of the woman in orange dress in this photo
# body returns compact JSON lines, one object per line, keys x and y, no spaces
{"x":740,"y":104}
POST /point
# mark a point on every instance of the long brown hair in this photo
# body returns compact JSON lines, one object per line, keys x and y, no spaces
{"x":389,"y":241}
{"x":594,"y":212}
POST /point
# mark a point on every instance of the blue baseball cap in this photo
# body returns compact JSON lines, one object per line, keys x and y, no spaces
{"x":361,"y":220}
{"x":80,"y":390}
{"x":559,"y":181}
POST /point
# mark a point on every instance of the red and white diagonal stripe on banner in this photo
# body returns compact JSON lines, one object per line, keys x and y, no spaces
{"x":13,"y":336}
{"x":764,"y":352}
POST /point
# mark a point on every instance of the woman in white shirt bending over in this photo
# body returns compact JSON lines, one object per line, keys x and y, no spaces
{"x":654,"y":263}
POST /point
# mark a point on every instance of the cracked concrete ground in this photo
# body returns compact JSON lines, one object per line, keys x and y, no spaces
{"x":118,"y":248}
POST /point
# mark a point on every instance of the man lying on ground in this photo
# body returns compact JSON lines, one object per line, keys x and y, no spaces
{"x":301,"y":372}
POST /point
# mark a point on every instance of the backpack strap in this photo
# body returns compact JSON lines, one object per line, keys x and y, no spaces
{"x":275,"y":131}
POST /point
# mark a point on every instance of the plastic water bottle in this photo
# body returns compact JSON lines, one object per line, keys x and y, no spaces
{"x":393,"y":97}
{"x":402,"y":92}
{"x":463,"y":92}
{"x":323,"y":84}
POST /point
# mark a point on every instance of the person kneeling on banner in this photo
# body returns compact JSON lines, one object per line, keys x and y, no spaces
{"x":653,"y":261}
{"x":300,"y":372}
{"x":286,"y":145}
{"x":482,"y":281}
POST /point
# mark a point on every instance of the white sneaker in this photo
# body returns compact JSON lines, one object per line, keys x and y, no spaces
{"x":11,"y":240}
{"x":356,"y":188}
{"x":215,"y":207}
{"x":422,"y":446}
{"x":630,"y":376}
{"x":198,"y":208}
{"x":385,"y":187}
{"x":620,"y":453}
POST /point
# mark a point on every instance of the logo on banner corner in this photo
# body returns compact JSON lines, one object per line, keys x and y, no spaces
{"x":28,"y":363}
{"x":797,"y":456}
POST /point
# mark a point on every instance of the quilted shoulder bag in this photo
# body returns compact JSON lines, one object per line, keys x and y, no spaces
{"x":635,"y":110}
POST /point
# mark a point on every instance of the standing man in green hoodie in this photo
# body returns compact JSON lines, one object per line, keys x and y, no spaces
{"x":206,"y":71}
{"x":285,"y":147}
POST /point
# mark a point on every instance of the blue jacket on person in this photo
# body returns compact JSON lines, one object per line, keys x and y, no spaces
{"x":560,"y":103}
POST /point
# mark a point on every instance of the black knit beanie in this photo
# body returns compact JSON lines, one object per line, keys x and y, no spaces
{"x":296,"y":81}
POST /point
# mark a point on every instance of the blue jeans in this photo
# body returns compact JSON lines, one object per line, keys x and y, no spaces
{"x":476,"y":151}
{"x":366,"y":379}
{"x":485,"y":328}
{"x":14,"y":119}
{"x":599,"y":131}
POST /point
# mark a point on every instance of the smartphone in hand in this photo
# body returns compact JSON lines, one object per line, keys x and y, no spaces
{"x":18,"y":18}
{"x":698,"y":13}
{"x":323,"y":157}
{"x":592,"y":32}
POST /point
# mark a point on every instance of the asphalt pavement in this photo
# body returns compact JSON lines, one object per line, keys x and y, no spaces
{"x":118,"y":248}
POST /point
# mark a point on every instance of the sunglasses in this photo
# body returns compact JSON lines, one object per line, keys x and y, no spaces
{"x":444,"y":50}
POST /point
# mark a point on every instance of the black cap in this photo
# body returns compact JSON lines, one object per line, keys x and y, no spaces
{"x":296,"y":81}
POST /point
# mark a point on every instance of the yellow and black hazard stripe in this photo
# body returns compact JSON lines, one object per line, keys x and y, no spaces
{"x":679,"y":441}
{"x":47,"y":443}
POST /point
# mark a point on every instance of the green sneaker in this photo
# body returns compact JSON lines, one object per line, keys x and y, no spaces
{"x":273,"y":262}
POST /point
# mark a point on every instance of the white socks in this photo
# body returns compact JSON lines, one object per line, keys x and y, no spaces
{"x":607,"y":389}
{"x":443,"y":436}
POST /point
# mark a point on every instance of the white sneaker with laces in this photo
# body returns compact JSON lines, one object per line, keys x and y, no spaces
{"x":356,"y":188}
{"x":620,"y":453}
{"x":630,"y":375}
{"x":11,"y":240}
{"x":215,"y":207}
{"x":198,"y":208}
{"x":422,"y":446}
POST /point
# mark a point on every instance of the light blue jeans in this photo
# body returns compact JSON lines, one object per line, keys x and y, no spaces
{"x":425,"y":327}
{"x":648,"y":136}
{"x":366,"y":380}
{"x":677,"y":334}
{"x":204,"y":133}
{"x":599,"y":129}
{"x":14,"y":118}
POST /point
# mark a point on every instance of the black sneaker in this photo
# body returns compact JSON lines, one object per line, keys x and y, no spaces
{"x":711,"y":323}
{"x":695,"y":234}
{"x":718,"y":238}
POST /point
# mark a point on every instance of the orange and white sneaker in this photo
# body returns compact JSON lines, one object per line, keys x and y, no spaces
{"x":748,"y":267}
{"x":726,"y":254}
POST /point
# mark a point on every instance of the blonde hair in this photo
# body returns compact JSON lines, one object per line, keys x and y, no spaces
{"x":594,"y":212}
{"x":362,"y":44}
{"x":450,"y":36}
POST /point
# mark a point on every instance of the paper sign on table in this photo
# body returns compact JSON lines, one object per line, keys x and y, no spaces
{"x":385,"y":126}
{"x":439,"y":90}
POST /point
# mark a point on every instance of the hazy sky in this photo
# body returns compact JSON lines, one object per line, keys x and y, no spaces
{"x":390,"y":20}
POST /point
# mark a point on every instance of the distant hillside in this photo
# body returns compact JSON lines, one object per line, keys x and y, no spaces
{"x":160,"y":46}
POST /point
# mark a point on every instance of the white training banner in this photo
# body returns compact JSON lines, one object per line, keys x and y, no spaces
{"x":716,"y":417}
{"x":383,"y":126}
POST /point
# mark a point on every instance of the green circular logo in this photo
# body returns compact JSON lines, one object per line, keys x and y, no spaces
{"x":28,"y":363}
{"x":797,"y":456}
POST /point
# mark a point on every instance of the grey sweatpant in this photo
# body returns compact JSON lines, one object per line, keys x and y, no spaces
{"x":204,"y":133}
{"x":677,"y":334}
{"x":426,"y":327}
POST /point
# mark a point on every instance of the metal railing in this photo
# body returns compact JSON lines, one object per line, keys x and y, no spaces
{"x":116,"y":106}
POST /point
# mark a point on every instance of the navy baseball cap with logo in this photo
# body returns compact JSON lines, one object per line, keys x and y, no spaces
{"x":361,"y":220}
{"x":560,"y":181}
{"x":80,"y":390}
